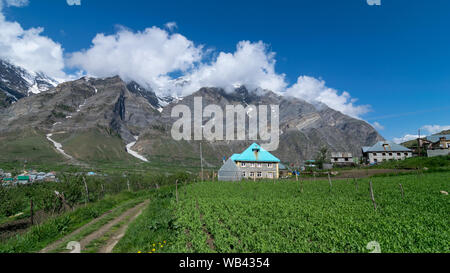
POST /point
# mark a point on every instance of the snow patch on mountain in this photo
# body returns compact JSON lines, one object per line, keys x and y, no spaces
{"x":133,"y":153}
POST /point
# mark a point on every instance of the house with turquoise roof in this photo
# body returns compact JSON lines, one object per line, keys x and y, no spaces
{"x":254,"y":163}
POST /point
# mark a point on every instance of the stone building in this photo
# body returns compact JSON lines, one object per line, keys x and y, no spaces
{"x":342,"y":159}
{"x":384,"y":151}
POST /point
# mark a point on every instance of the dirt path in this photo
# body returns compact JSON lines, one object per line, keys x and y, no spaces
{"x":115,"y":238}
{"x":131,"y":213}
{"x":56,"y":244}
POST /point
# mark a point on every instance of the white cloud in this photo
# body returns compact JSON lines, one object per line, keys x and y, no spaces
{"x":16,"y":3}
{"x":171,"y":26}
{"x":315,"y":91}
{"x":405,"y":138}
{"x":251,"y":65}
{"x":29,"y":48}
{"x":151,"y":57}
{"x":434,"y":129}
{"x":146,"y":57}
{"x":430,"y":129}
{"x":378,"y":126}
{"x":74,"y":2}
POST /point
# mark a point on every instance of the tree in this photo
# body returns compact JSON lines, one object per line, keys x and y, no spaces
{"x":321,"y":157}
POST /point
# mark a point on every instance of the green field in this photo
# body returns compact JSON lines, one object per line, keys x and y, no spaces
{"x":280,"y":218}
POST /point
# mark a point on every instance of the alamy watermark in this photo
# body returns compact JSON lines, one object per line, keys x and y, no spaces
{"x":236,"y":117}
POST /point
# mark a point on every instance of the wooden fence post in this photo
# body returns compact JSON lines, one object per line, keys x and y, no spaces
{"x":329,"y":180}
{"x":31,"y":211}
{"x":371,"y":196}
{"x":176,"y":189}
{"x":87,"y":190}
{"x":401,"y":189}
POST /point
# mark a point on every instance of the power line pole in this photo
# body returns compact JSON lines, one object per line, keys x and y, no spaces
{"x":201,"y":159}
{"x":418,"y":140}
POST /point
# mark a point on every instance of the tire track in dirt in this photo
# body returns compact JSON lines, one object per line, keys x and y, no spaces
{"x":115,"y":238}
{"x":131,"y":214}
{"x":57,"y":243}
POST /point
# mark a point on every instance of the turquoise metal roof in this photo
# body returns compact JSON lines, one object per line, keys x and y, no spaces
{"x":255,"y":153}
{"x":386,"y":146}
{"x":234,"y":157}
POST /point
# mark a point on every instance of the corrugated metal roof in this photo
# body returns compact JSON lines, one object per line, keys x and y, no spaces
{"x":229,"y":171}
{"x":436,"y":138}
{"x":386,"y":146}
{"x":233,"y":157}
{"x":256,"y":153}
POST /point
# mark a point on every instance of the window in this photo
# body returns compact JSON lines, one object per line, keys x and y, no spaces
{"x":399,"y":154}
{"x":384,"y":154}
{"x":374,"y":154}
{"x":270,"y":175}
{"x":243,"y":174}
{"x":335,"y":159}
{"x":346,"y":159}
{"x":252,"y":165}
{"x":243,"y":164}
{"x":259,"y":174}
{"x":390,"y":154}
{"x":269,"y":165}
{"x":259,"y":165}
{"x":252,"y":174}
{"x":406,"y":154}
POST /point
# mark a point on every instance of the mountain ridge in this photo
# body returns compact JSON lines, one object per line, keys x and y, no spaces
{"x":110,"y":107}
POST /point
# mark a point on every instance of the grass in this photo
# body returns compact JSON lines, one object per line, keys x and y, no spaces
{"x":265,"y":217}
{"x":53,"y":229}
{"x":116,"y":213}
{"x":434,"y":163}
{"x":154,"y":225}
{"x":29,"y":145}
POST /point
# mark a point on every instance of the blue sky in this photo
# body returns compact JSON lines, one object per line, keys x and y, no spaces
{"x":394,"y":57}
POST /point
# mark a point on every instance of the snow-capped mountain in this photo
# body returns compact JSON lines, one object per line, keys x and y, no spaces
{"x":17,"y":82}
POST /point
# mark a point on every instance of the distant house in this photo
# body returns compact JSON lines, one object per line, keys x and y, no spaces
{"x":384,"y":151}
{"x":254,"y":163}
{"x":439,"y":141}
{"x":342,"y":159}
{"x":8,"y":180}
{"x":23,"y":179}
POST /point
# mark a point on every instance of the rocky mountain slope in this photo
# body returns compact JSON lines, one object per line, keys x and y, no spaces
{"x":96,"y":118}
{"x":16,"y":83}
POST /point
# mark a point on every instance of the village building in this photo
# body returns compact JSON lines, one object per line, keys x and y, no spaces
{"x":23,"y":179}
{"x":439,"y":142}
{"x":384,"y":151}
{"x":342,"y":159}
{"x":254,"y":163}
